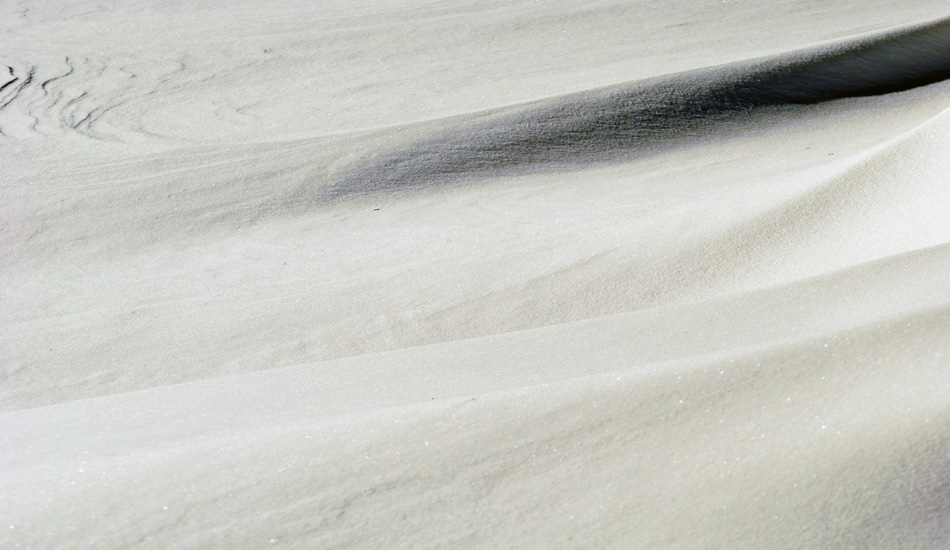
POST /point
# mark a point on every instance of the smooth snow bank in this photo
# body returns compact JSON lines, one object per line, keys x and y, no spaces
{"x":779,"y":447}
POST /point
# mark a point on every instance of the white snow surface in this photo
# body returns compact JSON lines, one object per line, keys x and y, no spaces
{"x":457,"y":274}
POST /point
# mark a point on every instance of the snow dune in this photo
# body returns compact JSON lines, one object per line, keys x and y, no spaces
{"x":475,"y":274}
{"x":623,"y":120}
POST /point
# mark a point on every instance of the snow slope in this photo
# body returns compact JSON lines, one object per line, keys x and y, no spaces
{"x":441,"y":273}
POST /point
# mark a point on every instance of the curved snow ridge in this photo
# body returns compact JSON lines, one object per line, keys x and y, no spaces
{"x":624,"y":121}
{"x":885,"y":201}
{"x":540,"y":354}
